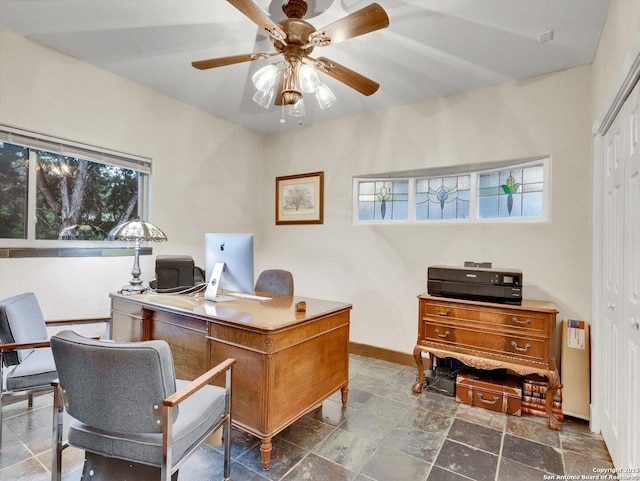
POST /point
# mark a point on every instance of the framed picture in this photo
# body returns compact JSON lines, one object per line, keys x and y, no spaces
{"x":300,"y":199}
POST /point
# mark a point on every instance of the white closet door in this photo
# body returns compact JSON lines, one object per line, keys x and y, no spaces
{"x":630,"y":404}
{"x":615,"y":376}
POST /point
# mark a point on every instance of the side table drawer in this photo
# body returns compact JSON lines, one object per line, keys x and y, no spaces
{"x":533,"y":322}
{"x":455,"y":337}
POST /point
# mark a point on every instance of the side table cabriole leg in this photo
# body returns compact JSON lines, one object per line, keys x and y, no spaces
{"x":554,"y":385}
{"x":417,"y":355}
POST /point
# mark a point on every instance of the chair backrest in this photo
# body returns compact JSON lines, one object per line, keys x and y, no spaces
{"x":277,"y":281}
{"x":114,"y":386}
{"x":21,"y":320}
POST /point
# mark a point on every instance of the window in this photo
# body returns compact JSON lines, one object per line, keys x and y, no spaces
{"x":380,"y":200}
{"x":52,"y":190}
{"x":517,"y":192}
{"x":443,"y":197}
{"x":502,"y":191}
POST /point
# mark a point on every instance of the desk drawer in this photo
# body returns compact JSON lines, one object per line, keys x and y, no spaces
{"x":532,"y":322}
{"x":476,"y":340}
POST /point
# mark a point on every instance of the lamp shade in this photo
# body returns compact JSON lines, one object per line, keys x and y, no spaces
{"x":137,"y":230}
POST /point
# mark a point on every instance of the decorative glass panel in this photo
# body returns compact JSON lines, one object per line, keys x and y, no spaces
{"x":82,"y":200}
{"x":383,"y":200}
{"x":14,"y":167}
{"x":443,"y":198}
{"x":517,"y":192}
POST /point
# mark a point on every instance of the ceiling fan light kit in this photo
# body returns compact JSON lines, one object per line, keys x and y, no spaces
{"x":294,"y":39}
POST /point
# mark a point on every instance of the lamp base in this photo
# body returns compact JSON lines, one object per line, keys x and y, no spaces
{"x":131,"y":289}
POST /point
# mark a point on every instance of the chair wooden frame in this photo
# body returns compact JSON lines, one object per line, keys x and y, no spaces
{"x":167,"y":468}
{"x":10,"y":347}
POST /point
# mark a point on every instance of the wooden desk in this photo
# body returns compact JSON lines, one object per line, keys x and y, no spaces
{"x":485,"y":335}
{"x":287,"y":362}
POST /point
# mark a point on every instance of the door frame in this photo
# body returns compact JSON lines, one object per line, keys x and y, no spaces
{"x":627,"y":78}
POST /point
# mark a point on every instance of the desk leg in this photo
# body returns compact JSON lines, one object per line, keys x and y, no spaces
{"x":345,"y":394}
{"x":265,"y":451}
{"x":552,"y":388}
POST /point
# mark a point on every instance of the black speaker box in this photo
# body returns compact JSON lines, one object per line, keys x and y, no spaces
{"x":174,"y":271}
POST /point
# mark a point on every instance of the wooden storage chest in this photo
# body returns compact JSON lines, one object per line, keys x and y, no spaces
{"x":493,"y":390}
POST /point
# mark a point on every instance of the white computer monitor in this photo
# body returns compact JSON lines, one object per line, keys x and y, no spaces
{"x":236,"y":252}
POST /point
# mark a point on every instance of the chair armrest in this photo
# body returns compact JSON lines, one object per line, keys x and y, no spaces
{"x":64,"y":322}
{"x":25,"y":345}
{"x":197,"y":384}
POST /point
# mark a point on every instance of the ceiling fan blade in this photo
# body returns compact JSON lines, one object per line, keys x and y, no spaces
{"x":360,"y":22}
{"x":347,"y":76}
{"x":220,"y":62}
{"x":259,"y":17}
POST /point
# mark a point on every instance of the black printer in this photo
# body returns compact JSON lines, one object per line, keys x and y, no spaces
{"x":474,"y":282}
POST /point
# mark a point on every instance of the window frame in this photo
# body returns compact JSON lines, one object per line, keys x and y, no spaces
{"x":39,"y":142}
{"x":473,"y":170}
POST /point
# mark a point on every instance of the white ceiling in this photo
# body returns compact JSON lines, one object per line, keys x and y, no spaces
{"x":431,"y":48}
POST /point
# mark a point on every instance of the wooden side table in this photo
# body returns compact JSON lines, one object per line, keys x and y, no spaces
{"x":484,"y":335}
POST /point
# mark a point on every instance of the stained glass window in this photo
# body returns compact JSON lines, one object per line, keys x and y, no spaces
{"x":383,"y":200}
{"x":517,"y":192}
{"x":497,"y":191}
{"x":442,"y":198}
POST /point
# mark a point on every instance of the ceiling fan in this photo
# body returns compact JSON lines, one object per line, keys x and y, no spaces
{"x":295,"y":39}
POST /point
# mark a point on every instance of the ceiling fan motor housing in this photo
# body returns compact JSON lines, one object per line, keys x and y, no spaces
{"x":294,"y":8}
{"x":298,"y":32}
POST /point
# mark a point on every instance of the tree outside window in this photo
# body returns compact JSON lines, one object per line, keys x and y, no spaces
{"x":72,"y":198}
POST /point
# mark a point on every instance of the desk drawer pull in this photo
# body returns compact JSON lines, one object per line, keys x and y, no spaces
{"x":518,"y":321}
{"x":441,"y":312}
{"x":446,"y":334}
{"x":526,"y":347}
{"x":487,"y":401}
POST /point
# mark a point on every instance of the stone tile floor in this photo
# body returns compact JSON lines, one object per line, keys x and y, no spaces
{"x":386,"y":433}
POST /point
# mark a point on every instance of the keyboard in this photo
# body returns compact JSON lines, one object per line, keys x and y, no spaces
{"x":225,"y":298}
{"x":241,"y":295}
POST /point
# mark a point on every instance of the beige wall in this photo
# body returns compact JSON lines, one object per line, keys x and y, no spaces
{"x":381,"y":269}
{"x":204,"y":174}
{"x":199,"y":160}
{"x":620,"y":34}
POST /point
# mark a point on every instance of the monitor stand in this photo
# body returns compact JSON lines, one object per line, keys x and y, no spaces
{"x":211,"y":294}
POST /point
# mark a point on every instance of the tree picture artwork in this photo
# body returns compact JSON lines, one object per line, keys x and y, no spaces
{"x":300,"y":199}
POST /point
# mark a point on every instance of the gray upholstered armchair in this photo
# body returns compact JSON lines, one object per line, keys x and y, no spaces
{"x":24,"y":349}
{"x":131,"y":416}
{"x":277,"y":281}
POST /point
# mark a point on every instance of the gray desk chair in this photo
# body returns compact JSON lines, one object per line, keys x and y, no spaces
{"x":277,"y":281}
{"x":24,"y":349}
{"x":131,"y":416}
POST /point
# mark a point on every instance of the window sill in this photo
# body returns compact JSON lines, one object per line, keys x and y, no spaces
{"x":19,"y":252}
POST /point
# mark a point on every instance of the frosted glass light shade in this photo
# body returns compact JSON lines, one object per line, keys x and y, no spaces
{"x":309,"y":80}
{"x":297,"y":109}
{"x":265,"y":81}
{"x":264,"y":78}
{"x":264,"y":98}
{"x":325,"y":96}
